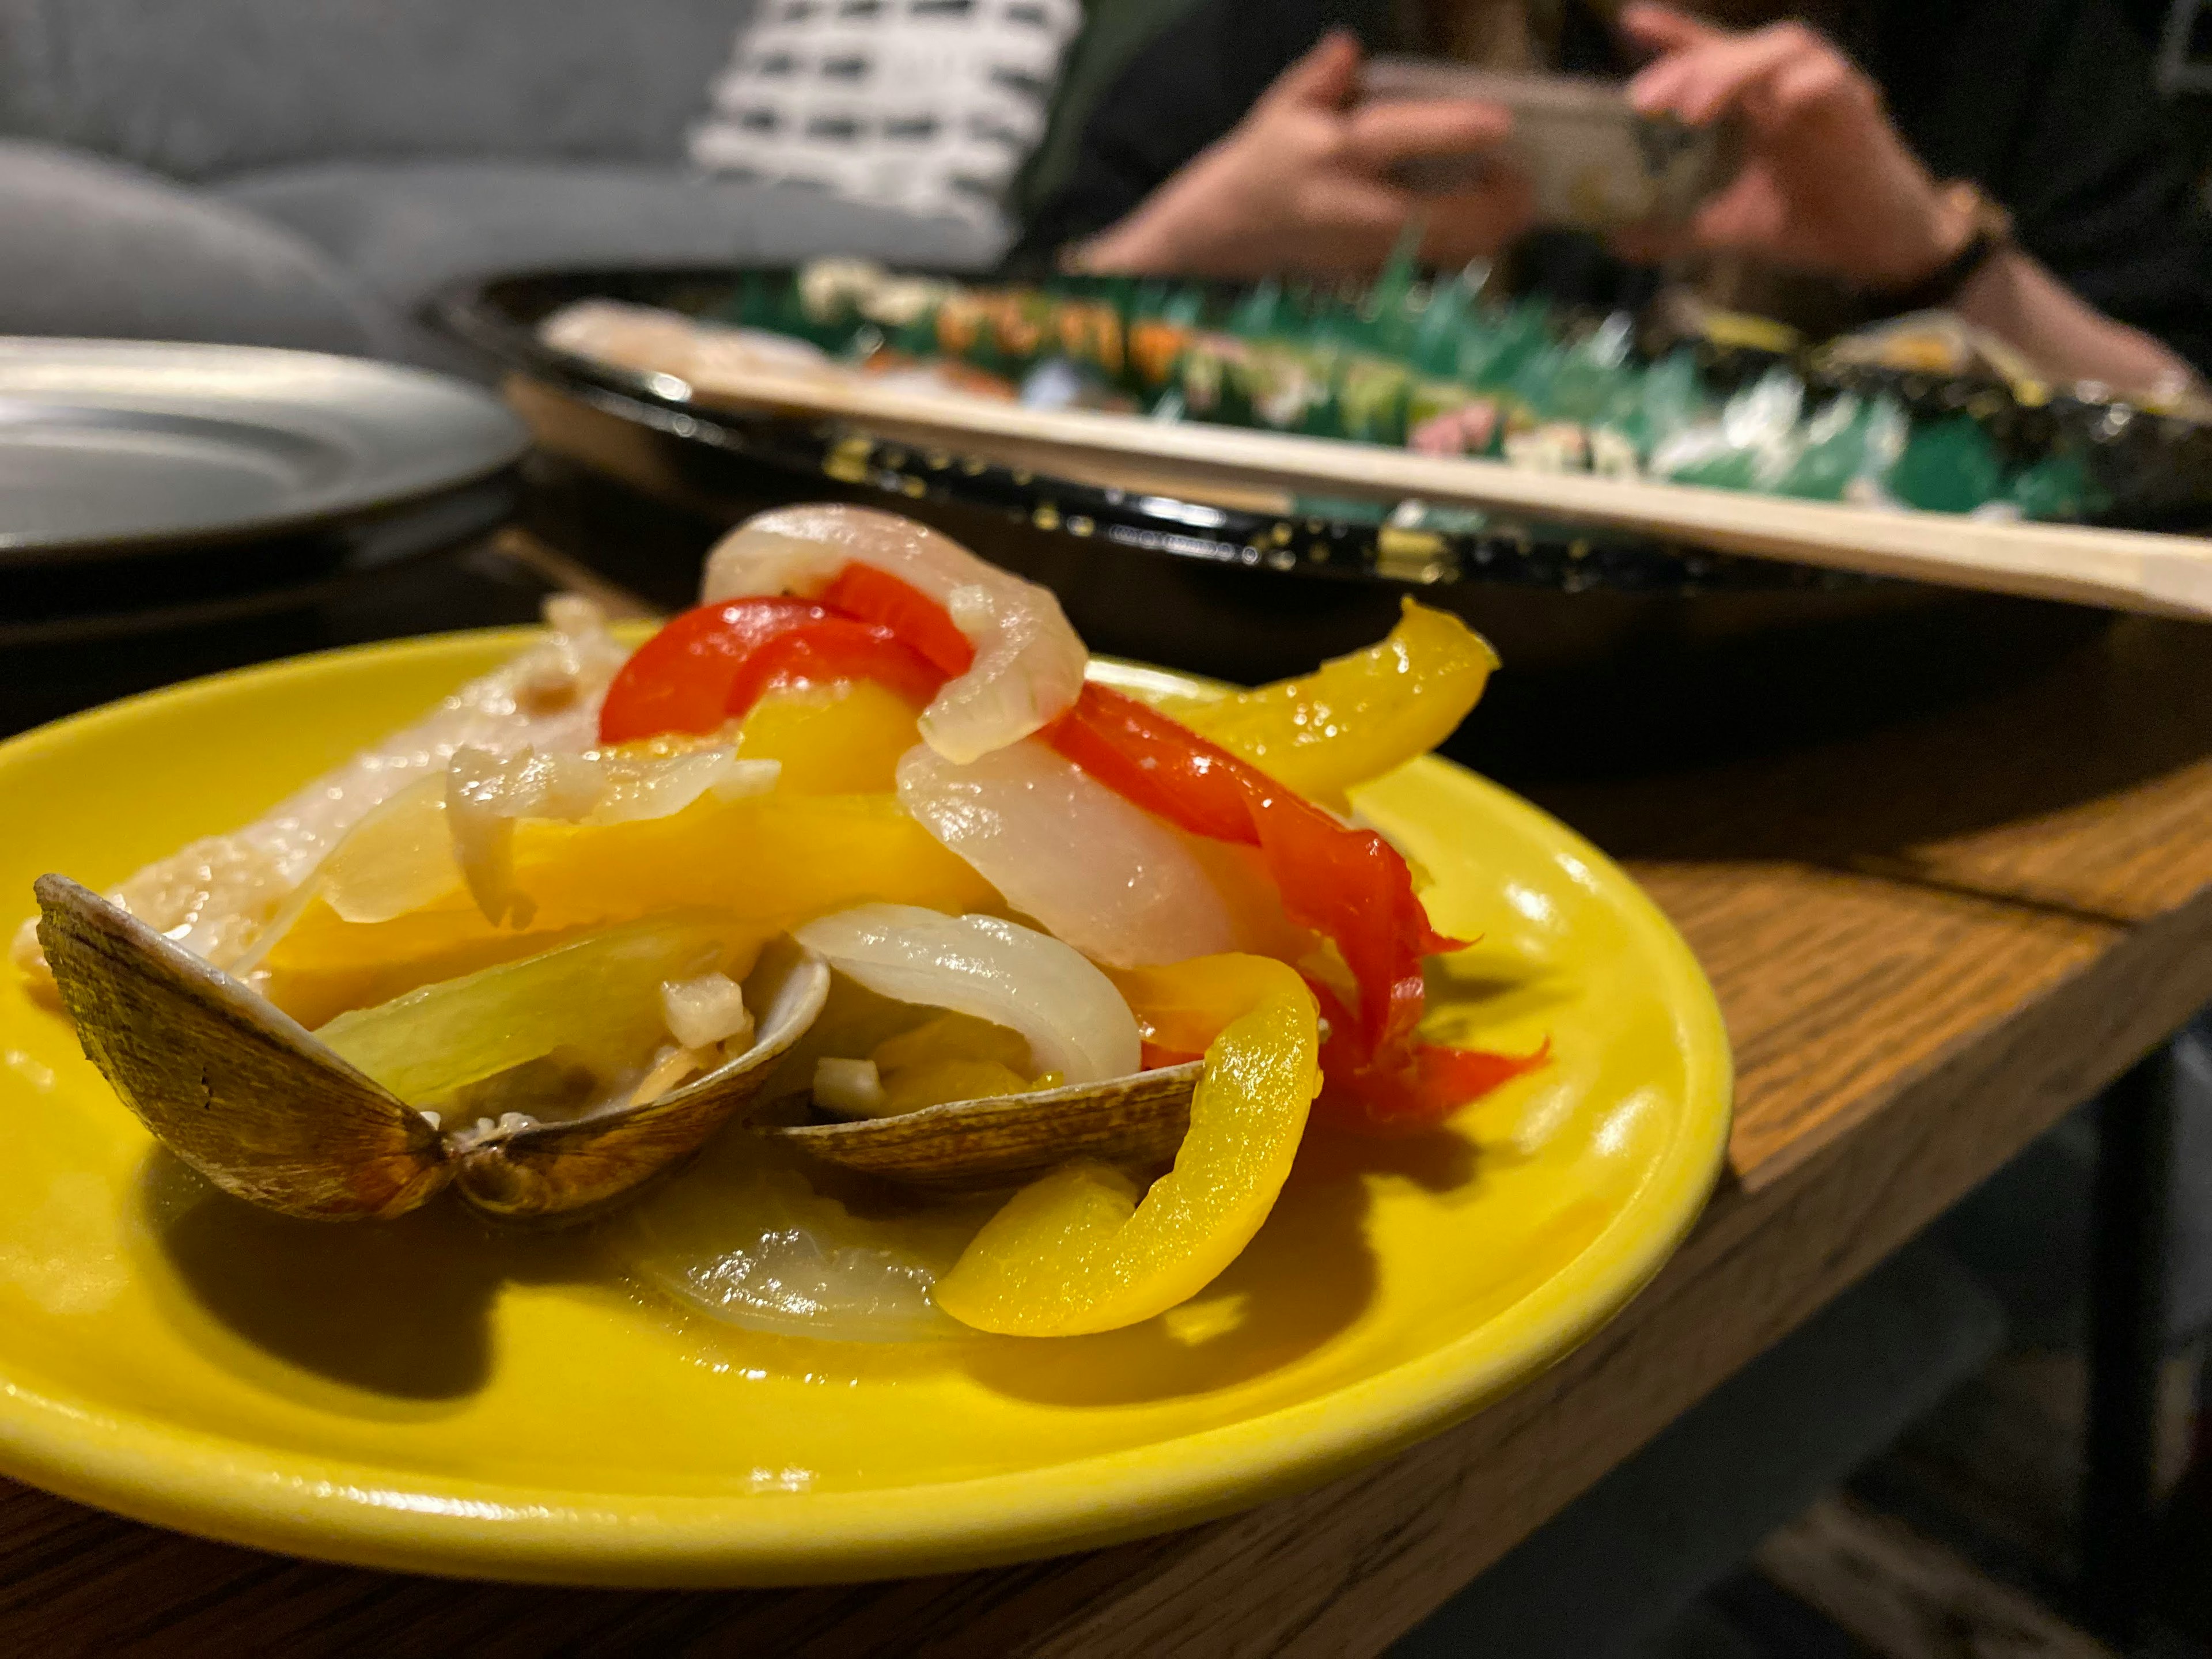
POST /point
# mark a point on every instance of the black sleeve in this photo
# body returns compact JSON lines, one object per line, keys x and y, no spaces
{"x":1180,"y":93}
{"x":2049,"y":106}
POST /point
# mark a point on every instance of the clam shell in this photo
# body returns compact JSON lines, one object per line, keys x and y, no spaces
{"x":570,"y":1169}
{"x":226,"y":1080}
{"x":265,"y":1110}
{"x":972,"y":1144}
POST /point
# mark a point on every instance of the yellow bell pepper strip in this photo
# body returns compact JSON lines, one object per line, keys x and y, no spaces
{"x":844,"y":737}
{"x":954,"y":1057}
{"x":1358,"y":716}
{"x":765,"y":862}
{"x":1181,"y":1008}
{"x":1077,"y":1251}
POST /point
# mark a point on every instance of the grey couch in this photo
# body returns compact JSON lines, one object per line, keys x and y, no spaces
{"x":306,"y":173}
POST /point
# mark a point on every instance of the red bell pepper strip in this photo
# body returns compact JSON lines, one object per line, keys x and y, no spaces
{"x":1158,"y":764}
{"x":712,"y":664}
{"x":1407,"y":1086}
{"x":877,"y":596}
{"x":829,"y":649}
{"x":1350,"y":885}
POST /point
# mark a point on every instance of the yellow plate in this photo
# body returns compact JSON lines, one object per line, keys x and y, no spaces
{"x":416,"y":1396}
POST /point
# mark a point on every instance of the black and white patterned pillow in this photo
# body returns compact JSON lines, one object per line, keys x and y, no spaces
{"x":930,"y":106}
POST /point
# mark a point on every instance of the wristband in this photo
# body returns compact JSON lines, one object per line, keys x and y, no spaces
{"x":1990,"y":234}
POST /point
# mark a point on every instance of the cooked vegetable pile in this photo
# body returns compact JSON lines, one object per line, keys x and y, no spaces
{"x":547,"y":904}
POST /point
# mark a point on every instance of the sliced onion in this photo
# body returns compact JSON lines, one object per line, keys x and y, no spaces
{"x":648,"y":786}
{"x":1076,"y":1021}
{"x":485,"y":793}
{"x":744,"y":1238}
{"x":1028,"y":663}
{"x":224,"y":896}
{"x":1108,"y":878}
{"x":412,"y":850}
{"x":459,"y":826}
{"x":545,"y":700}
{"x":398,"y":858}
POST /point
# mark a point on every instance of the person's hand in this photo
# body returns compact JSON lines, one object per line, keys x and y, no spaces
{"x":1827,"y":185}
{"x":1304,"y":183}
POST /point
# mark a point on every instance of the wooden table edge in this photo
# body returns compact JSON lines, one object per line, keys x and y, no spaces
{"x":1427,"y":1521}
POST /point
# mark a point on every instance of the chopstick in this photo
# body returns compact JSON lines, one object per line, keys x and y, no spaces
{"x":2120,"y":570}
{"x":566,"y":575}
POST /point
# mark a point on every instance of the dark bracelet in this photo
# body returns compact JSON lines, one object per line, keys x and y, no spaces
{"x":1992,"y":235}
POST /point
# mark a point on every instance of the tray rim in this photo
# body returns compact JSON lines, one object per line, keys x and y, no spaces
{"x":1307,"y":547}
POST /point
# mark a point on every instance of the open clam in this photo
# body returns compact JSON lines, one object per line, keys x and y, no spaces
{"x":264,"y":1108}
{"x":998,"y":1142}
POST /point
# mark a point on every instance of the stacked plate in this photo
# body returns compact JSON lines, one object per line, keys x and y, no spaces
{"x":149,"y":487}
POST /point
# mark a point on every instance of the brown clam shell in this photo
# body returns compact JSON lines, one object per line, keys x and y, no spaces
{"x":974,"y":1144}
{"x":226,"y":1080}
{"x":265,"y":1110}
{"x":571,"y":1168}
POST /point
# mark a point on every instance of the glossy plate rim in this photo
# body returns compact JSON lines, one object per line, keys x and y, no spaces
{"x":480,"y":436}
{"x":359,"y":1515}
{"x":386,"y":544}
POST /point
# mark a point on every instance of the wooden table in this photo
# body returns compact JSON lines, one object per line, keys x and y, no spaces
{"x":1929,"y":943}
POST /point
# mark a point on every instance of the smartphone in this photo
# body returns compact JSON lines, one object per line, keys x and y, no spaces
{"x":1592,"y":160}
